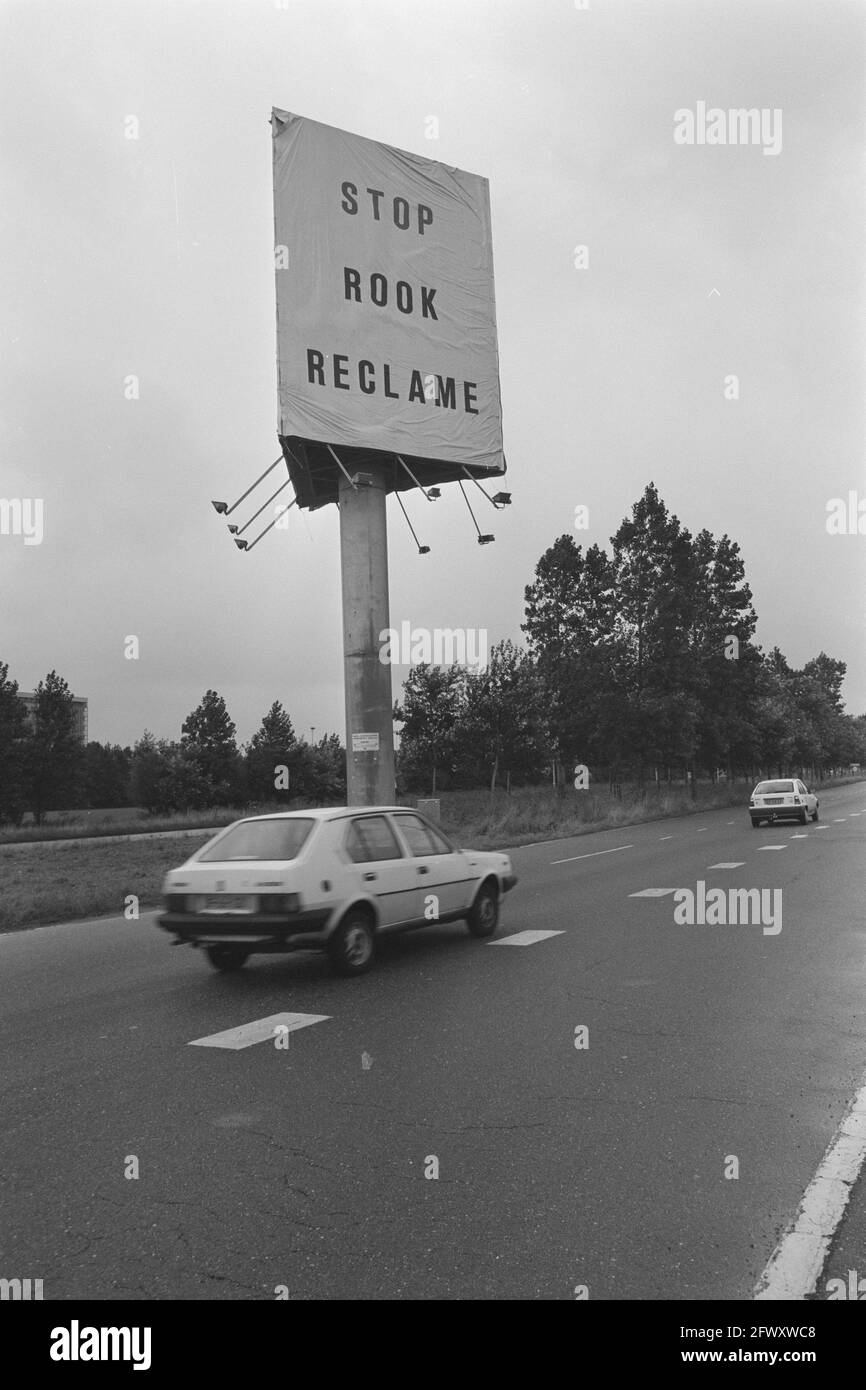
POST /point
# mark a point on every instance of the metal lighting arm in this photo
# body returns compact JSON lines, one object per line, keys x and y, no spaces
{"x":502,"y":499}
{"x":234,"y":530}
{"x":431,"y":494}
{"x":225,"y":510}
{"x":422,"y":549}
{"x":250,"y":545}
{"x":482,"y":540}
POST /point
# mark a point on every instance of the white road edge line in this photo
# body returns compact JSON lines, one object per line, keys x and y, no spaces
{"x":575,"y":857}
{"x":795,"y":1266}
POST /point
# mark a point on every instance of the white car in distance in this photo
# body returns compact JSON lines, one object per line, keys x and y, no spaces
{"x":787,"y":798}
{"x":330,"y":880}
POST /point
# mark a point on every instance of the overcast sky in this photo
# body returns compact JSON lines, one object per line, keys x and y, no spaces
{"x":154,"y":257}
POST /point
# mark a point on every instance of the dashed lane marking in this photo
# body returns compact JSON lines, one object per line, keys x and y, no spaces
{"x":799,"y":837}
{"x":796,"y":1264}
{"x":822,"y":827}
{"x":595,"y":852}
{"x":653,"y":893}
{"x":524,"y":938}
{"x":736,"y":864}
{"x":837,"y":820}
{"x":260,"y":1030}
{"x":665,"y":837}
{"x":761,"y":848}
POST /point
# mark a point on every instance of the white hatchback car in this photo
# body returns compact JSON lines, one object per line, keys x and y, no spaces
{"x":330,"y":880}
{"x":785,"y":799}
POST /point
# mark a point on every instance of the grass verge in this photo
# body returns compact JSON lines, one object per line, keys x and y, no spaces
{"x":48,"y":883}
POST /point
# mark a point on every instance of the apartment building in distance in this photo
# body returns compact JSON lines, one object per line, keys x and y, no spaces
{"x":79,"y":712}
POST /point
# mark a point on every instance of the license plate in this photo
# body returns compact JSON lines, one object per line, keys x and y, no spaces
{"x":227,"y":902}
{"x":773,"y":801}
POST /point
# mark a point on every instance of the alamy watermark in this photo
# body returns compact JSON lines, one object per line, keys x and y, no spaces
{"x":713,"y":126}
{"x":440,"y":646}
{"x":22,"y":516}
{"x":731,"y":907}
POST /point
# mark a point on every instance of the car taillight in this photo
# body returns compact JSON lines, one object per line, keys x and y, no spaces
{"x":280,"y":902}
{"x":176,"y":902}
{"x":796,"y":801}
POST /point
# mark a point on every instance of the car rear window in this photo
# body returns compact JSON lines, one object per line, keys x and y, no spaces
{"x":768,"y":788}
{"x":259,"y":839}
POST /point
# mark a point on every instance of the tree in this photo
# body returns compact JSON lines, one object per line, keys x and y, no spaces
{"x":106,"y":774}
{"x":54,"y":754}
{"x":14,"y":738}
{"x":654,"y":569}
{"x":431,"y":701}
{"x":208,"y":736}
{"x":166,"y":777}
{"x":570,"y":623}
{"x":500,"y":726}
{"x":273,"y":745}
{"x":323,"y":771}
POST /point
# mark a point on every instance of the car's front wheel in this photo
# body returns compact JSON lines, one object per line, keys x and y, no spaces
{"x":226,"y":958}
{"x":352,"y":947}
{"x":483,"y":917}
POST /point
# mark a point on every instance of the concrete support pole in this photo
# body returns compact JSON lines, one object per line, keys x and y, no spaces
{"x":364,"y":563}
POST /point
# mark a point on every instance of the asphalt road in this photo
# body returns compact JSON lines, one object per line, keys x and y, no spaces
{"x":558,"y":1167}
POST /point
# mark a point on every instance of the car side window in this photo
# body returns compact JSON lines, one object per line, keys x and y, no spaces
{"x":371,"y":839}
{"x":421,"y":838}
{"x":801,"y":788}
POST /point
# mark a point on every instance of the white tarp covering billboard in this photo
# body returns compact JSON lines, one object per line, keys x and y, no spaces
{"x":386,"y":317}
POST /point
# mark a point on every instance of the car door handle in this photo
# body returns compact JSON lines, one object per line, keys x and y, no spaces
{"x":423,"y":869}
{"x":369,"y":876}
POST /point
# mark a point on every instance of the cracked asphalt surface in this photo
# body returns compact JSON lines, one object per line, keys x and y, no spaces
{"x":305,"y":1168}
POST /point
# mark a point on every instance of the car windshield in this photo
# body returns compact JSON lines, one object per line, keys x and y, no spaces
{"x":259,"y":839}
{"x":768,"y":788}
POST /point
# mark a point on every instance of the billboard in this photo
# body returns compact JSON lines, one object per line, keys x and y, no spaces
{"x":386,"y":315}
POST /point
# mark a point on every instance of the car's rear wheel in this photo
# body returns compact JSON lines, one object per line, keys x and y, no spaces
{"x":804,"y":816}
{"x":226,"y":958}
{"x":483,"y":917}
{"x":352,"y":947}
{"x":815,"y":813}
{"x":755,"y":823}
